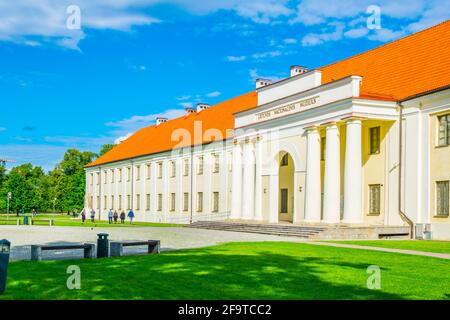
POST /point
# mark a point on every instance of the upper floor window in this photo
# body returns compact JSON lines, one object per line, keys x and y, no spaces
{"x":105,"y":177}
{"x":112,"y":175}
{"x":374,"y":136}
{"x":230,"y":161}
{"x":216,"y":163}
{"x":98,"y":178}
{"x":120,"y":175}
{"x":186,"y":167}
{"x":128,"y":174}
{"x":138,"y":173}
{"x":91,"y":179}
{"x":444,"y":130}
{"x":149,"y":171}
{"x":173,"y":169}
{"x":442,"y":198}
{"x":160,"y":170}
{"x":200,"y":165}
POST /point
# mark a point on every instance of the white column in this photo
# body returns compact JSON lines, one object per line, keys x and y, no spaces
{"x":248,"y":201}
{"x":313,"y":179}
{"x":236,"y":206}
{"x":353,"y":173}
{"x":332,"y":179}
{"x":258,"y":179}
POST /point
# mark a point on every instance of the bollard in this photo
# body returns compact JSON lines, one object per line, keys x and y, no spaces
{"x":5,"y":246}
{"x":102,"y":245}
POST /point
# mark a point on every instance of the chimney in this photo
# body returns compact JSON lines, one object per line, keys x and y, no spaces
{"x":296,"y":70}
{"x":189,"y":110}
{"x":202,"y":106}
{"x":160,"y":120}
{"x":262,"y":83}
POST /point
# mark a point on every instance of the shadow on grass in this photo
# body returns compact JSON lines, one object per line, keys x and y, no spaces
{"x":232,"y":271}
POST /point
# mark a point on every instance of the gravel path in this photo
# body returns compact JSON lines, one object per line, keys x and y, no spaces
{"x":22,"y":237}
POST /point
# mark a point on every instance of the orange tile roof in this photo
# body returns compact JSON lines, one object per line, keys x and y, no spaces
{"x":400,"y":69}
{"x":216,"y":123}
{"x":397,"y":70}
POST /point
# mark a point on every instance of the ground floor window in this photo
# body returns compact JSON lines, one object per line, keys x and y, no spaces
{"x":442,"y":198}
{"x":159,"y":202}
{"x":374,"y":198}
{"x":185,"y":201}
{"x":148,"y":202}
{"x":112,"y":202}
{"x":128,"y":202}
{"x":105,"y":204}
{"x":172,"y":202}
{"x":138,"y":202}
{"x":98,"y":202}
{"x":199,"y":201}
{"x":284,"y":201}
{"x":215,"y":207}
{"x":120,"y":202}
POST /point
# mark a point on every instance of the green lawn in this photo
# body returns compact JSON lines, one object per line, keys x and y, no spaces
{"x":263,"y":270}
{"x":66,"y":221}
{"x":417,"y":245}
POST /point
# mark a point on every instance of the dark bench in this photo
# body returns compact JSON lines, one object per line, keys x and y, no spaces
{"x":50,"y":221}
{"x":36,"y":250}
{"x":390,"y":235}
{"x":116,"y":248}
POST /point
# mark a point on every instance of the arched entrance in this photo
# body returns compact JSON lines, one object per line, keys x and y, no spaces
{"x":286,"y":177}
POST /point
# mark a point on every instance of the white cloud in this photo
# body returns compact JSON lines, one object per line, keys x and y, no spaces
{"x":384,"y":35}
{"x":123,"y":138}
{"x":254,"y":74}
{"x":213,"y":94}
{"x":356,"y":33}
{"x":186,"y":104}
{"x":186,"y":97}
{"x":267,"y":54}
{"x":314,"y":39}
{"x":236,"y":58}
{"x":290,"y":41}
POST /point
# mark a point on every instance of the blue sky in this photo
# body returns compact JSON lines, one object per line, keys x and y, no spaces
{"x":132,"y":60}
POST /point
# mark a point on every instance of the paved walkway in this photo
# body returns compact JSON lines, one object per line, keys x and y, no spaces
{"x":413,"y":252}
{"x":22,"y":237}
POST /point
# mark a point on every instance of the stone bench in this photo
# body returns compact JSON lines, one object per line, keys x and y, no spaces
{"x":16,"y":220}
{"x":116,"y":247}
{"x":50,"y":221}
{"x":36,"y":250}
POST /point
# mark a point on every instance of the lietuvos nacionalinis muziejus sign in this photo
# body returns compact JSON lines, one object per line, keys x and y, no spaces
{"x":287,"y":109}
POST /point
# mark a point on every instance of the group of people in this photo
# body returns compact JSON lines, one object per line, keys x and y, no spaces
{"x":112,"y":216}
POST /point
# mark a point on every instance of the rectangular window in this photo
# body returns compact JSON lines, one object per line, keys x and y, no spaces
{"x":147,"y":201}
{"x":160,"y":170}
{"x":159,"y":202}
{"x":128,"y":174}
{"x":442,"y":198}
{"x":230,"y":161}
{"x":172,"y":202}
{"x":112,"y":202}
{"x":105,"y":177}
{"x":92,"y":179}
{"x":186,"y":167}
{"x":215,"y":206}
{"x":199,"y":201}
{"x":374,"y":140}
{"x":374,"y":198}
{"x":200,"y":165}
{"x":216,"y":164}
{"x":128,"y":202}
{"x":444,"y":130}
{"x":323,"y":148}
{"x":98,"y":202}
{"x":98,"y":178}
{"x":105,"y":202}
{"x":112,"y":175}
{"x":284,"y":201}
{"x":149,"y":171}
{"x":120,"y":175}
{"x":185,"y":201}
{"x":173,"y":169}
{"x":138,"y":173}
{"x":285,"y":160}
{"x":138,"y":202}
{"x":120,"y":202}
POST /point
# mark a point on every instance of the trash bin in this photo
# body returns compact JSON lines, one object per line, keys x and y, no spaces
{"x":25,"y":220}
{"x":102,"y":245}
{"x":5,"y":246}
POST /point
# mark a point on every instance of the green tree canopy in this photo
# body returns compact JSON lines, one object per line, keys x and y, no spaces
{"x":106,"y":148}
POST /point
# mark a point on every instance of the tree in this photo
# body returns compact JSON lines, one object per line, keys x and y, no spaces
{"x":106,"y":148}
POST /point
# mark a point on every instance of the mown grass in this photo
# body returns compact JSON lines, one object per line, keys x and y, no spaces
{"x":417,"y":245}
{"x":67,"y":221}
{"x":262,"y":270}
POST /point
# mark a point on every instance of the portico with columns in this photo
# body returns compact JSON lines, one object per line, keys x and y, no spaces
{"x":306,"y":159}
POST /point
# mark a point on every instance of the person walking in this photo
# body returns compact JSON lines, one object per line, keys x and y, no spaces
{"x":33,"y":213}
{"x":131,"y":215}
{"x":92,"y":215}
{"x":122,"y":217}
{"x":110,"y":216}
{"x":115,"y":216}
{"x":83,"y":216}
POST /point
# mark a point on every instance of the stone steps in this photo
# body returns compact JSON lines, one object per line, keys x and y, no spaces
{"x":305,"y":232}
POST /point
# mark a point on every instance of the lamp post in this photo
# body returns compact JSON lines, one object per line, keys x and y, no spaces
{"x":8,"y":198}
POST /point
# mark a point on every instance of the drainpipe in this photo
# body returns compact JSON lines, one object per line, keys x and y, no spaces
{"x":400,"y":155}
